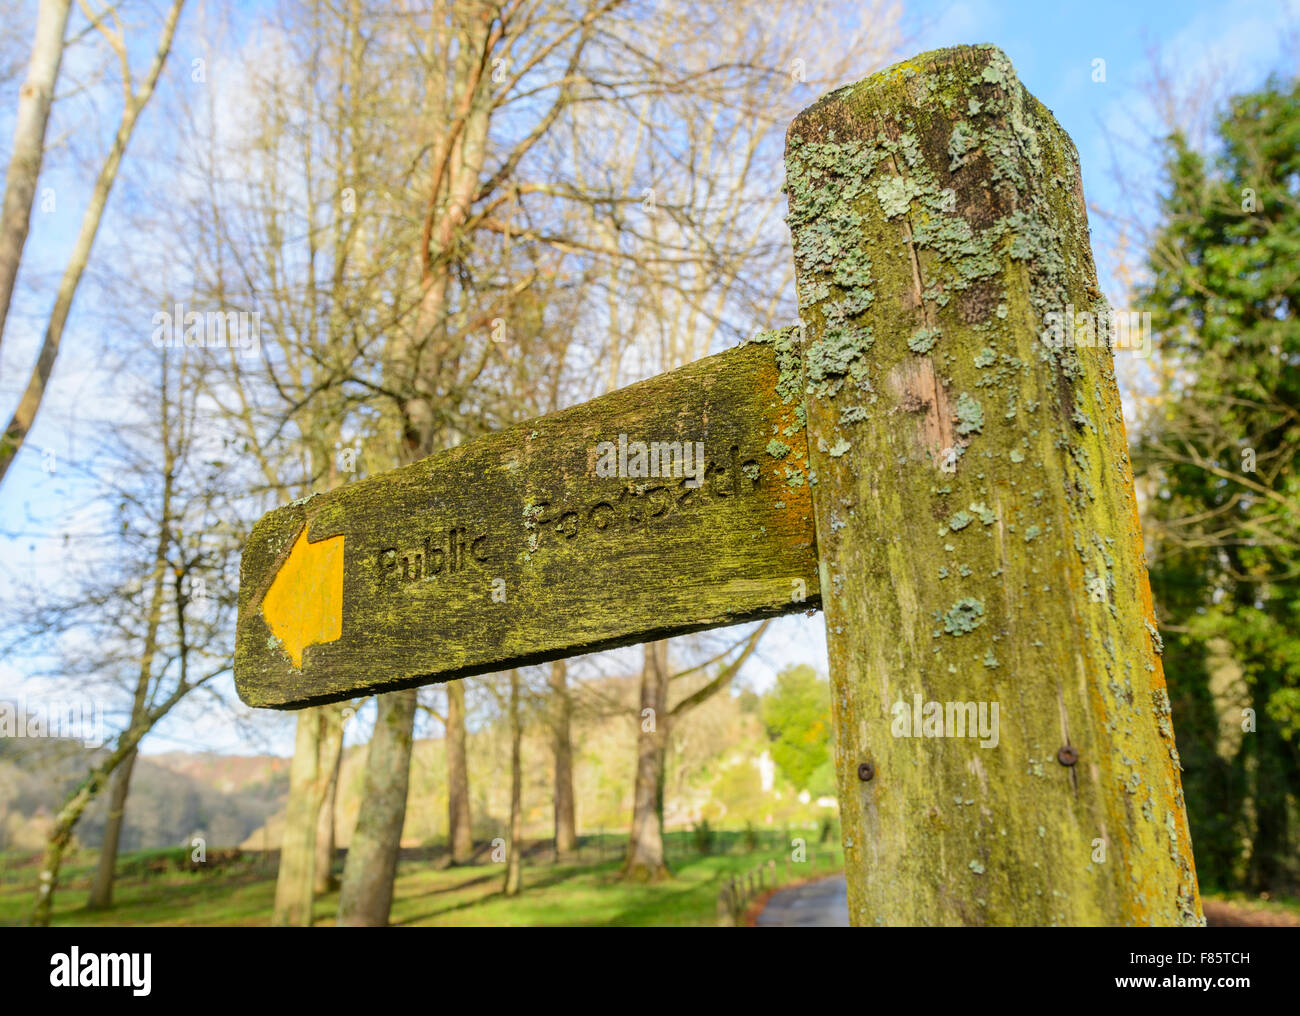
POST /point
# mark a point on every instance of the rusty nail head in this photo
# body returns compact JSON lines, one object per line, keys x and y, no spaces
{"x":1067,"y":755}
{"x":866,"y":771}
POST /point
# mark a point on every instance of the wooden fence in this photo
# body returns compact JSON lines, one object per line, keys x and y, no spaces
{"x":737,"y":893}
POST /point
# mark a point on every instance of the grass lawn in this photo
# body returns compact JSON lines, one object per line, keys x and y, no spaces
{"x":424,"y":895}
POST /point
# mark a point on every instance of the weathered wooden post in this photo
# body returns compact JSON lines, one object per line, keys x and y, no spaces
{"x":977,"y":530}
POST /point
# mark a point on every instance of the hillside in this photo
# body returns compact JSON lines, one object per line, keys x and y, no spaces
{"x":173,"y":796}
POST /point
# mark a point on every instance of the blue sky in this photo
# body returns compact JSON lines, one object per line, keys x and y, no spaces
{"x":1052,"y":45}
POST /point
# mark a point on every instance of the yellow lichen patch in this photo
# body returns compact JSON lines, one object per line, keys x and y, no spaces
{"x":304,"y":606}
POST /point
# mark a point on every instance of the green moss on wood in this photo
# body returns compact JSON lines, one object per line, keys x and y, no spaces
{"x":962,"y":194}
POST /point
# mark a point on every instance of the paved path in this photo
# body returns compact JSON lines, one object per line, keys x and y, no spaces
{"x":823,"y":904}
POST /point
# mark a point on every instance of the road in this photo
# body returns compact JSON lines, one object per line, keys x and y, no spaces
{"x":822,"y":904}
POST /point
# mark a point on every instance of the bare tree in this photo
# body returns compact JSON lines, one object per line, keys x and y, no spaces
{"x":645,"y":859}
{"x":514,"y":838}
{"x":566,"y":828}
{"x":330,"y":760}
{"x":366,"y":894}
{"x":156,"y":633}
{"x":135,"y":98}
{"x":471,"y":185}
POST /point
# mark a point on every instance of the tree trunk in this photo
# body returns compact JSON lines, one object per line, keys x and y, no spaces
{"x":458,"y":822}
{"x":1268,"y":847}
{"x":976,"y":522}
{"x":101,"y":890}
{"x":293,"y":886}
{"x":331,"y":759}
{"x":75,"y":806}
{"x":367,"y":891}
{"x":566,"y":831}
{"x":514,"y":860}
{"x":34,"y":101}
{"x":645,"y":852}
{"x":142,"y":718}
{"x":24,"y":415}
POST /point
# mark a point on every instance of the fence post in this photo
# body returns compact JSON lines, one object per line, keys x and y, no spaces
{"x":980,"y":551}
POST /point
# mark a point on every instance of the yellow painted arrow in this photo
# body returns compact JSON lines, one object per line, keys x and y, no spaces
{"x":304,"y":606}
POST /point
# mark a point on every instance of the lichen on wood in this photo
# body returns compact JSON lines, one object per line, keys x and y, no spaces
{"x":937,"y":216}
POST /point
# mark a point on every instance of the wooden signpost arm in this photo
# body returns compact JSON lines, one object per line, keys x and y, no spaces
{"x":667,"y":507}
{"x":977,"y":530}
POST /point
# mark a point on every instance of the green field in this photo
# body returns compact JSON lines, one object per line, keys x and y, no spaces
{"x":153,"y":891}
{"x":588,"y":892}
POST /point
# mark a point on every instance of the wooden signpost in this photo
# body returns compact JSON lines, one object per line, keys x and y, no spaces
{"x":952,"y":488}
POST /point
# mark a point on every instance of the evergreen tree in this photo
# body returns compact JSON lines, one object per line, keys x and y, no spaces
{"x":1220,"y":461}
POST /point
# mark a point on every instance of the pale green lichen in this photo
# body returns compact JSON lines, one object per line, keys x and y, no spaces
{"x":964,"y":616}
{"x":995,"y":73}
{"x":960,"y":521}
{"x":895,"y":194}
{"x":789,"y":378}
{"x":970,"y":417}
{"x":1157,"y":643}
{"x":777,"y":449}
{"x":532,"y":512}
{"x":839,"y":352}
{"x":923,"y":340}
{"x":960,"y":142}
